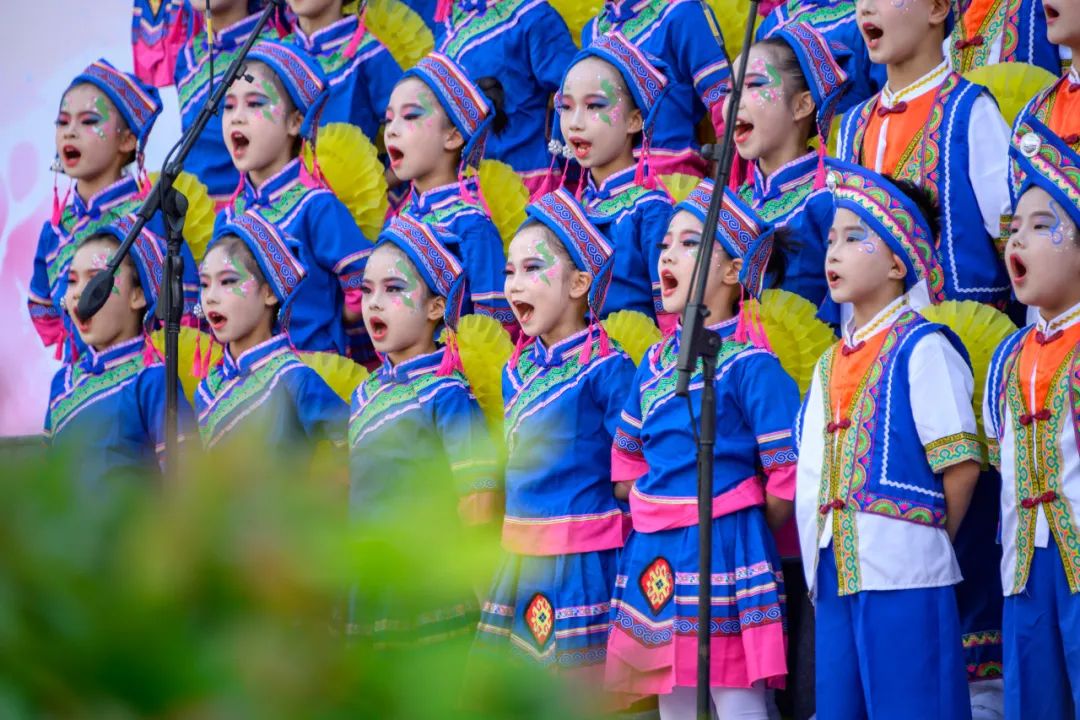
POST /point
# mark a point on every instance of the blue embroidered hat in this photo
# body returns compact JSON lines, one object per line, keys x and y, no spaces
{"x":441,"y":270}
{"x":739,"y":230}
{"x":561,"y":213}
{"x":895,"y":218}
{"x":148,"y":256}
{"x":138,"y":103}
{"x":1048,"y":162}
{"x":824,"y":64}
{"x":463,"y":101}
{"x":281,"y":268}
{"x":302,"y":77}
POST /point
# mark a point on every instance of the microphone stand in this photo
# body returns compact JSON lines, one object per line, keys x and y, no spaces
{"x":698,"y":343}
{"x":171,"y":202}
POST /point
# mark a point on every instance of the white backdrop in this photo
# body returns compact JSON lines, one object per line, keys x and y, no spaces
{"x":44,"y":45}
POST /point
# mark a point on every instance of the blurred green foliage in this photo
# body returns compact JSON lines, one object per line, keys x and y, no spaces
{"x":224,"y":597}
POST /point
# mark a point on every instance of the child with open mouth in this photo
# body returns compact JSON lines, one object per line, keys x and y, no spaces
{"x":611,"y":96}
{"x":652,"y":647}
{"x":1030,"y":420}
{"x":418,"y":442}
{"x":437,"y":126}
{"x":108,"y":408}
{"x":270,"y":113}
{"x":260,"y":391}
{"x":563,"y":390}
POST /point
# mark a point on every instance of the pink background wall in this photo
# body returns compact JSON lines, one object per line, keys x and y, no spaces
{"x":47,"y":43}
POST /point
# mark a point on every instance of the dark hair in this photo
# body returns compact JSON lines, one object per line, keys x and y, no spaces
{"x":924,"y":201}
{"x":496,"y":96}
{"x":784,"y":245}
{"x":238,"y":249}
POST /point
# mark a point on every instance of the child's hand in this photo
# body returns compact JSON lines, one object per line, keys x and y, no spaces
{"x":777,"y":511}
{"x":622,"y":490}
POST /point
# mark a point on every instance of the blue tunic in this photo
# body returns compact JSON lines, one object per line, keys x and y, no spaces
{"x":836,"y":21}
{"x":328,"y":244}
{"x":415,"y":437}
{"x":787,"y":198}
{"x":57,"y":245}
{"x":108,"y":411}
{"x":526,"y":46}
{"x":481,"y":249}
{"x":634,"y":221}
{"x":360,"y":84}
{"x":268,"y":394}
{"x":652,"y":642}
{"x":563,"y":524}
{"x":685,"y":35}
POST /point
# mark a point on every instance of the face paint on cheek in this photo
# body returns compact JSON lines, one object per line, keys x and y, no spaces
{"x":247,"y":284}
{"x":866,"y":245}
{"x":411,"y":285}
{"x":551,"y":271}
{"x":1058,"y":232}
{"x":610,"y":116}
{"x":429,"y":110}
{"x":102,"y":109}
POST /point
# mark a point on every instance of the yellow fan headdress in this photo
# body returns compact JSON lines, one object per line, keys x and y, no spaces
{"x":340,"y":373}
{"x":731,"y":14}
{"x":506,"y":198}
{"x":192,"y":341}
{"x":679,"y":185}
{"x":485,"y":346}
{"x":350,"y":165}
{"x":1012,"y":84}
{"x":795,"y":333}
{"x":981,"y":329}
{"x":401,"y":30}
{"x":576,"y":13}
{"x":635,"y":332}
{"x":199,"y":221}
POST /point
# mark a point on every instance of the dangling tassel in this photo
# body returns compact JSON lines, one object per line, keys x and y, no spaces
{"x":643,"y":175}
{"x":451,"y":359}
{"x":442,"y":10}
{"x":580,"y":192}
{"x":236,"y":193}
{"x":605,"y":341}
{"x":585,"y":356}
{"x":142,"y":179}
{"x":481,"y":199}
{"x":73,"y":349}
{"x":523,"y":342}
{"x":555,"y":149}
{"x":759,"y":323}
{"x":463,"y":186}
{"x":742,"y":329}
{"x":196,"y":360}
{"x":58,"y":204}
{"x":354,"y":42}
{"x":59,"y":354}
{"x":819,"y":175}
{"x":150,"y":354}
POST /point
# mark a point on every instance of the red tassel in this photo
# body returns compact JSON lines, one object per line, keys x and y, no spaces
{"x":59,"y":354}
{"x":150,"y":354}
{"x":196,"y":361}
{"x":605,"y":342}
{"x":451,"y":359}
{"x":742,"y":329}
{"x":585,"y":356}
{"x":643,"y":174}
{"x":581,"y":185}
{"x":442,"y":10}
{"x":819,"y":175}
{"x":58,"y":204}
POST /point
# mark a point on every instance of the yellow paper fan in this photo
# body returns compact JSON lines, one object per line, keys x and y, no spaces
{"x":400,"y":29}
{"x":189,"y":339}
{"x":797,"y":336}
{"x":834,"y":136}
{"x":679,"y":185}
{"x":1012,"y":84}
{"x":199,"y":221}
{"x":634,"y":331}
{"x":981,"y":328}
{"x":340,"y":373}
{"x":485,"y":347}
{"x":576,"y":13}
{"x":731,"y":14}
{"x":506,"y":197}
{"x":351,"y":167}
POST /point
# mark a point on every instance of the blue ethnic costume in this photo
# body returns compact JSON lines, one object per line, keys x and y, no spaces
{"x":456,"y":209}
{"x":321,"y":230}
{"x":418,"y":437}
{"x":652,"y":648}
{"x":563,"y":526}
{"x":267,"y":394}
{"x":107,"y":409}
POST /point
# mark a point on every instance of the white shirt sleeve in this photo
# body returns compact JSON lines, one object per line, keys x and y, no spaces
{"x":988,"y":163}
{"x":941,"y":389}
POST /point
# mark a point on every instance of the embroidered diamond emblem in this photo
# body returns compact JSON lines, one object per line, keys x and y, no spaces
{"x":658,"y":584}
{"x":540,"y":617}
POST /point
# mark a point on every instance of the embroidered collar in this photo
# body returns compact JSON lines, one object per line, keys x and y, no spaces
{"x":882,"y":321}
{"x":329,"y":38}
{"x":785,"y":178}
{"x":477,"y":6}
{"x":275,"y":185}
{"x":105,"y":198}
{"x":927,"y":83}
{"x":253,"y":357}
{"x":95,"y":363}
{"x":560,"y":351}
{"x":615,"y":184}
{"x":1064,"y":321}
{"x":424,"y":203}
{"x":234,"y":36}
{"x":411,"y":368}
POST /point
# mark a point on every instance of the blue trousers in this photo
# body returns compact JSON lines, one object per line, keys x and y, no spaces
{"x":888,"y":654}
{"x":1042,"y":644}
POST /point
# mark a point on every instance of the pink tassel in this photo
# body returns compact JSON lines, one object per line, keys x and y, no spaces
{"x":523,"y":342}
{"x":196,"y":361}
{"x":545,"y":187}
{"x":451,"y":359}
{"x":742,"y":329}
{"x":58,"y":204}
{"x":643,"y":174}
{"x":819,"y":175}
{"x":149,"y":352}
{"x":605,"y":342}
{"x":663,"y":186}
{"x":481,"y":199}
{"x":442,"y":10}
{"x":72,"y":348}
{"x":463,"y":187}
{"x":580,"y":192}
{"x":236,"y":193}
{"x":762,"y":336}
{"x":59,"y":354}
{"x":354,"y":42}
{"x":585,"y":356}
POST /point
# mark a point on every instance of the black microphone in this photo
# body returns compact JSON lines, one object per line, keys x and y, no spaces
{"x":95,"y":294}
